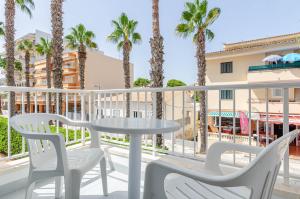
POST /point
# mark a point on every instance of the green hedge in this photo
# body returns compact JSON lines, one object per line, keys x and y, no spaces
{"x":16,"y":138}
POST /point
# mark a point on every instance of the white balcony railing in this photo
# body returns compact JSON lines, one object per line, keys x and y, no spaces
{"x":179,"y":104}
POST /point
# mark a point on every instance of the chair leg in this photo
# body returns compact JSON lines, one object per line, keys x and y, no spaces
{"x":103,"y":176}
{"x":29,"y":190}
{"x":108,"y":157}
{"x":72,"y":186}
{"x":58,"y":187}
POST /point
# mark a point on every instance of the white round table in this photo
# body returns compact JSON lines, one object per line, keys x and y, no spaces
{"x":135,"y":127}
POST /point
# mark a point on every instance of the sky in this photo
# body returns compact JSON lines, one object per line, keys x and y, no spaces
{"x":240,"y":20}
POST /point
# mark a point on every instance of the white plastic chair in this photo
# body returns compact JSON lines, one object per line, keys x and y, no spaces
{"x":49,"y":158}
{"x":255,"y":181}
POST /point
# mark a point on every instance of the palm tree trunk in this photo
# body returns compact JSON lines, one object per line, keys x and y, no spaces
{"x":48,"y":71}
{"x":10,"y":49}
{"x":201,"y":62}
{"x":126,"y":68}
{"x":57,"y":42}
{"x":82,"y":59}
{"x":27,"y":62}
{"x":156,"y":61}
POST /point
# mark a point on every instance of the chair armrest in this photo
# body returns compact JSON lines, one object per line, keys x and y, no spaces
{"x":86,"y":124}
{"x":216,"y":150}
{"x":157,"y":171}
{"x":58,"y":142}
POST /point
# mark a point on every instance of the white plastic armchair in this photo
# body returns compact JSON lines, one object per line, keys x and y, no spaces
{"x":255,"y":181}
{"x":49,"y":157}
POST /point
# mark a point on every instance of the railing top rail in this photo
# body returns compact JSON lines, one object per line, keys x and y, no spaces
{"x":180,"y":88}
{"x":204,"y":88}
{"x":42,"y":90}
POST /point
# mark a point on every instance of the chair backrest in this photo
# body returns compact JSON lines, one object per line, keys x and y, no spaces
{"x":39,"y":150}
{"x":260,"y":175}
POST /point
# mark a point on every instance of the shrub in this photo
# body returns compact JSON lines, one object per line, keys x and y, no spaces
{"x":16,"y":138}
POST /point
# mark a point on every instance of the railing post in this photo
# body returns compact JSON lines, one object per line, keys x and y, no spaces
{"x":57,"y":111}
{"x":67,"y":110}
{"x":286,"y":172}
{"x":154,"y":116}
{"x":82,"y":118}
{"x":35,"y":103}
{"x":234,"y":124}
{"x":23,"y":111}
{"x":250,"y":125}
{"x":75,"y":116}
{"x":173,"y":114}
{"x":220,"y":116}
{"x":47,"y":102}
{"x":8,"y":126}
{"x":267,"y":117}
{"x":183,"y":123}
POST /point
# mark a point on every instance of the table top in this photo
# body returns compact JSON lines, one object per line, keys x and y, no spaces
{"x":135,"y":125}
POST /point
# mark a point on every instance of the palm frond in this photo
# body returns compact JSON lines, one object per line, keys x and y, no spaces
{"x":209,"y":34}
{"x":183,"y":30}
{"x":123,"y":19}
{"x":120,"y":45}
{"x":44,"y":47}
{"x":136,"y":38}
{"x":212,"y":15}
{"x":186,"y":16}
{"x":26,"y":6}
{"x":190,"y":7}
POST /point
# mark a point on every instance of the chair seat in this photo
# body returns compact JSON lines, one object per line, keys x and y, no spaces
{"x":79,"y":160}
{"x":84,"y":159}
{"x":181,"y":187}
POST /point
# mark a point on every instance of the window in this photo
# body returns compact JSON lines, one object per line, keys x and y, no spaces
{"x":226,"y":67}
{"x":137,"y":114}
{"x":68,"y":65}
{"x":116,"y":113}
{"x":69,"y":79}
{"x":226,"y":94}
{"x":277,"y":92}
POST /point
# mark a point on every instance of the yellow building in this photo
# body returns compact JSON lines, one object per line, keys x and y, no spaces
{"x":241,"y":63}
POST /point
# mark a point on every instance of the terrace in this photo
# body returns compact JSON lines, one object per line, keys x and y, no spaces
{"x":180,"y":147}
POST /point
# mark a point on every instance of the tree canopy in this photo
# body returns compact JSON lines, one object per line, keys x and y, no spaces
{"x":141,"y":82}
{"x":175,"y":83}
{"x":80,"y":36}
{"x":124,"y":31}
{"x":196,"y":18}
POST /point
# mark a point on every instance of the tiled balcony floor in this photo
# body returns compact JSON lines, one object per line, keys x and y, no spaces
{"x":91,"y":186}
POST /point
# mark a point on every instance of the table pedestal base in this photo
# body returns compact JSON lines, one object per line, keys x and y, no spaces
{"x":134,"y":177}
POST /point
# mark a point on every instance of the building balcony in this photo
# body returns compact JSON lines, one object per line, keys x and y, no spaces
{"x":180,"y":148}
{"x":274,"y":66}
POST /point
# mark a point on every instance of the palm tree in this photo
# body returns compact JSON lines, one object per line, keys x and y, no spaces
{"x":44,"y":48}
{"x":125,"y":36}
{"x":10,"y":11}
{"x":57,"y":45}
{"x":17,"y":64}
{"x":26,"y":46}
{"x":1,"y":29}
{"x":157,"y":60}
{"x":196,"y":20}
{"x":80,"y":38}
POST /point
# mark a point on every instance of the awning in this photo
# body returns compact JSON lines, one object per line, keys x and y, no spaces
{"x":254,"y":116}
{"x":278,"y":119}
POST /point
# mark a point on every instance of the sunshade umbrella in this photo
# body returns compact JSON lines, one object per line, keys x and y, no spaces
{"x":292,"y":57}
{"x":272,"y":58}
